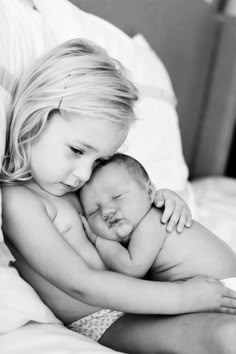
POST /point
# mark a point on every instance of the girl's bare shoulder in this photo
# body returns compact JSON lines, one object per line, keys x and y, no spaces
{"x":17,"y":193}
{"x":19,"y":198}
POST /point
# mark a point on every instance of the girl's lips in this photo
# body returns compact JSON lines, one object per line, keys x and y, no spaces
{"x":70,"y":187}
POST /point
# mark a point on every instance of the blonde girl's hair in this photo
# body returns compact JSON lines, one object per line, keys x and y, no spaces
{"x":78,"y":79}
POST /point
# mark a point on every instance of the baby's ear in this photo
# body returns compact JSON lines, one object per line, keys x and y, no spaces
{"x":151,"y":190}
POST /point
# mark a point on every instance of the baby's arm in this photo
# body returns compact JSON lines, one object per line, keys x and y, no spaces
{"x":32,"y":233}
{"x":143,"y":248}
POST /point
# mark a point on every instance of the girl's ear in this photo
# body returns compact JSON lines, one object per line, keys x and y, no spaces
{"x":151,"y":191}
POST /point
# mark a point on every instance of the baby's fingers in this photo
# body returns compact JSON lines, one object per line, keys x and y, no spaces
{"x":91,"y":235}
{"x":85,"y":223}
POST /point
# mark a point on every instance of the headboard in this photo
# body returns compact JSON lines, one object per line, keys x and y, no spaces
{"x":183,"y":35}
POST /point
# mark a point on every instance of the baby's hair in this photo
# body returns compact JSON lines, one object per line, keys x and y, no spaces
{"x":78,"y":79}
{"x":133,"y":166}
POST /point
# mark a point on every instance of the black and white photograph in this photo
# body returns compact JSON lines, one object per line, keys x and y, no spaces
{"x":118,"y":176}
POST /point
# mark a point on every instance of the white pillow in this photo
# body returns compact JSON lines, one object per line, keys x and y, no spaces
{"x":19,"y":303}
{"x":17,"y":38}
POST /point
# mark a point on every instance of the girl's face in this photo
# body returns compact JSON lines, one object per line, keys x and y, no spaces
{"x":63,"y":157}
{"x":112,"y":199}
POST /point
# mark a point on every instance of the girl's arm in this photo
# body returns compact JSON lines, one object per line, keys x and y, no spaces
{"x":30,"y":230}
{"x":144,"y":246}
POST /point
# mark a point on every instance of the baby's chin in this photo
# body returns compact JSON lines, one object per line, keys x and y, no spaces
{"x":120,"y":232}
{"x":124,"y":231}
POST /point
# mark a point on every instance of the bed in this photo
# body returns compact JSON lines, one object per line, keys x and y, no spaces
{"x":26,"y":324}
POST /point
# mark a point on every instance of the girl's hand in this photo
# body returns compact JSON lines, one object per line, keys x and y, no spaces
{"x":204,"y":293}
{"x":176,"y":210}
{"x":90,"y":234}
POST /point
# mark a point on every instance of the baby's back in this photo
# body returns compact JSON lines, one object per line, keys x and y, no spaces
{"x":196,"y":251}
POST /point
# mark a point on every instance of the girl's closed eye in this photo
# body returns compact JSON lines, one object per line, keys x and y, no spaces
{"x":76,"y":151}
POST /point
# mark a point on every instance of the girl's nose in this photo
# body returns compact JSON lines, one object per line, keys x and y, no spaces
{"x":83,"y":172}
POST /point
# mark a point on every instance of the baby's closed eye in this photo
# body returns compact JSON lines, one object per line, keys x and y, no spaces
{"x":93,"y":212}
{"x":117,"y":196}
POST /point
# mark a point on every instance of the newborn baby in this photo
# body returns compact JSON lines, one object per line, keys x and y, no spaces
{"x":131,"y":239}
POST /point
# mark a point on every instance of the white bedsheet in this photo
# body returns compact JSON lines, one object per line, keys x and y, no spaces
{"x":38,"y":338}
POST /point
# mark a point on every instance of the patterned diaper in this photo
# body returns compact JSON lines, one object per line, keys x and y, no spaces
{"x":96,"y":324}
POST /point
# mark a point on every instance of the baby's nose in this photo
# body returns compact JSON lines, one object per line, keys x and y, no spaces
{"x":108,"y":214}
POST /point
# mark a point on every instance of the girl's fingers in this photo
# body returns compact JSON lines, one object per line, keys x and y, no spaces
{"x":174,"y":219}
{"x":227,"y":310}
{"x":168,"y":211}
{"x":228,"y":303}
{"x":228,"y":293}
{"x":189,"y":220}
{"x":159,"y":200}
{"x":182,"y":221}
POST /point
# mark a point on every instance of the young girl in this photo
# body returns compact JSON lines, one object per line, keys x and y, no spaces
{"x":72,"y":109}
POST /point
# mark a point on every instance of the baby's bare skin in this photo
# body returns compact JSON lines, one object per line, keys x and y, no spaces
{"x":154,"y":253}
{"x":197,"y":251}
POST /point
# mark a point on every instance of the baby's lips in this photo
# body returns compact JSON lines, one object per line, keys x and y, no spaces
{"x":124,"y":230}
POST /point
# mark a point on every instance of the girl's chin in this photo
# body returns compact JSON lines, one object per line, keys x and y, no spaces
{"x":58,"y":190}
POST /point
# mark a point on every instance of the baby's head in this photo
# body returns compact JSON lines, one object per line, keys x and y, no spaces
{"x":77,"y":79}
{"x":117,"y":196}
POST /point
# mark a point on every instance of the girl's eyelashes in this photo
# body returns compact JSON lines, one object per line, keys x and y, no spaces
{"x":96,"y":162}
{"x":76,"y":151}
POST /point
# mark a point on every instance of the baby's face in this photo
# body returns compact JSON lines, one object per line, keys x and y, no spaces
{"x":112,"y":200}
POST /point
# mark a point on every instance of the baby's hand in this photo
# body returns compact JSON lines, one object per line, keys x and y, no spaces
{"x":90,"y":234}
{"x":176,"y":210}
{"x":208,"y":294}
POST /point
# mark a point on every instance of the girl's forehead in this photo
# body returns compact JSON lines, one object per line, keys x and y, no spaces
{"x":91,"y":126}
{"x":101,"y":135}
